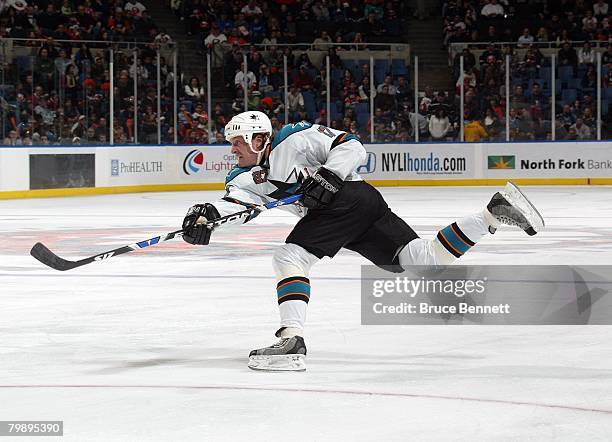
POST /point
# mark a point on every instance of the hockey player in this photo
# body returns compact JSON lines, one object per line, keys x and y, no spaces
{"x":338,"y":209}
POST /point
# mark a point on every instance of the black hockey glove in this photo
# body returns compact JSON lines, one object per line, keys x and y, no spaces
{"x":320,"y":188}
{"x":194,"y":224}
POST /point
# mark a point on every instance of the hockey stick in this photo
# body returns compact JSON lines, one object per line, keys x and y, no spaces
{"x":47,"y":257}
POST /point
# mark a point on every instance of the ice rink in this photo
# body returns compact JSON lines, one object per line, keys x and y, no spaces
{"x":153,"y":345}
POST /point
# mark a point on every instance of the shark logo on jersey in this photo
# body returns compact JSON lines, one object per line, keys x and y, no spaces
{"x":290,"y":185}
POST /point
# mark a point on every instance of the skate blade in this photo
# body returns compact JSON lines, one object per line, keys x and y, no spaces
{"x":277,"y":362}
{"x":517,"y":198}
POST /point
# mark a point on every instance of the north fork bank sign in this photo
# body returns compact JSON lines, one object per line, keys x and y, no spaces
{"x":547,"y":160}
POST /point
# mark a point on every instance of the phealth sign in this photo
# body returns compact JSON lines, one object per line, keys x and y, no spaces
{"x":151,"y":165}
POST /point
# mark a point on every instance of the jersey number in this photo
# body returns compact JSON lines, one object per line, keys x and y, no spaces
{"x":326,"y":131}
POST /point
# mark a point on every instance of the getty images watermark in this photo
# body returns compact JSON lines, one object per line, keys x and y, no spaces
{"x":526,"y":295}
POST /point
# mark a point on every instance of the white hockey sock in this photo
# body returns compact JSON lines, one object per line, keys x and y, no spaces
{"x":451,"y":243}
{"x":293,"y":313}
{"x":292,"y":264}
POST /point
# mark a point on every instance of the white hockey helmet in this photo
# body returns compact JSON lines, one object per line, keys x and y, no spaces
{"x":247,"y":124}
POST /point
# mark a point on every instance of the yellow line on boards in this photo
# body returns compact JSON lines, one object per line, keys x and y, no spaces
{"x":49,"y":193}
{"x":485,"y":182}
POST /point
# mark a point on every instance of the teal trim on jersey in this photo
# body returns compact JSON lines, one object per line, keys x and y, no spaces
{"x":351,"y":137}
{"x":288,"y":130}
{"x":235,"y":172}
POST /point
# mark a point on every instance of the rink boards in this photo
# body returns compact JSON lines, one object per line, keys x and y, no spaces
{"x":80,"y":170}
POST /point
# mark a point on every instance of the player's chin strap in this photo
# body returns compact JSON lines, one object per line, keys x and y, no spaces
{"x":261,"y":158}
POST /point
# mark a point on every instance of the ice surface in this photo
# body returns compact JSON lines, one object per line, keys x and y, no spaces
{"x":153,"y":345}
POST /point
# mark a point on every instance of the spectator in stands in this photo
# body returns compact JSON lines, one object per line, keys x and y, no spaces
{"x":537,"y":96}
{"x":439,"y":125}
{"x":422,"y":124}
{"x":583,"y":132}
{"x":13,"y":139}
{"x":215,"y":37}
{"x":358,"y":42}
{"x":251,"y":10}
{"x":586,"y":55}
{"x":375,"y":28}
{"x":486,"y":55}
{"x":295,"y":101}
{"x":254,"y":59}
{"x":289,"y":28}
{"x":402,"y":89}
{"x":134,"y":8}
{"x":44,"y":69}
{"x":492,"y":125}
{"x":303,"y":80}
{"x":320,"y":11}
{"x":455,"y":30}
{"x":387,"y":82}
{"x":567,"y":56}
{"x":600,"y":9}
{"x":525,"y":39}
{"x":194,"y":90}
{"x":273,"y":38}
{"x":474,"y":132}
{"x":364,"y":71}
{"x":542,"y":35}
{"x":335,"y":62}
{"x":323,"y":42}
{"x":567,"y":117}
{"x":393,"y":24}
{"x":385,"y":100}
{"x":589,"y":119}
{"x":589,"y":81}
{"x":365,"y":90}
{"x":257,"y":30}
{"x":519,"y":100}
{"x":571,"y":134}
{"x":492,"y":9}
{"x":523,"y":126}
{"x":241,"y":79}
{"x":440,"y":102}
{"x":589,"y":23}
{"x":606,"y":57}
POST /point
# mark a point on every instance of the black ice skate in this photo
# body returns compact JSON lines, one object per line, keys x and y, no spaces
{"x":288,"y":354}
{"x":511,"y":207}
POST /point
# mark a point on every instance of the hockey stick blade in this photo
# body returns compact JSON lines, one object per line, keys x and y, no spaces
{"x":48,"y":258}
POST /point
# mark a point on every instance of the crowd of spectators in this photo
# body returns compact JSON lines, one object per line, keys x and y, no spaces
{"x":58,"y":91}
{"x":56,"y":83}
{"x":261,"y":29}
{"x":528,"y":33}
{"x":292,"y":21}
{"x":525,"y":22}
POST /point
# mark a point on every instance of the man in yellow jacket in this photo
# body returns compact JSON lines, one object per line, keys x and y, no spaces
{"x":474,"y":132}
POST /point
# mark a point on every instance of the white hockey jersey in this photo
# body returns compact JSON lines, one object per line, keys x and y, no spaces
{"x":296,"y":152}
